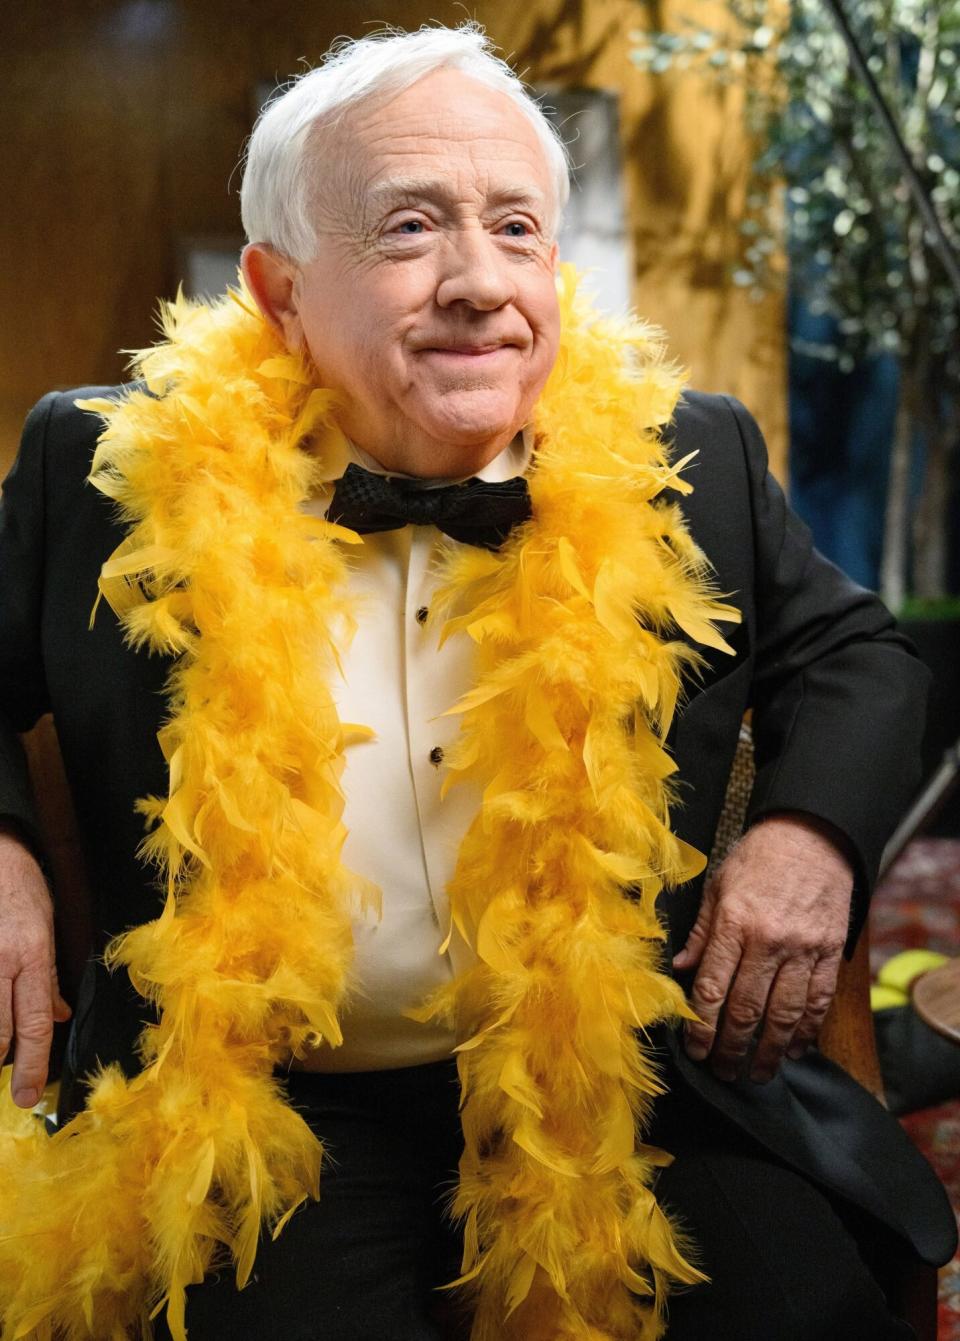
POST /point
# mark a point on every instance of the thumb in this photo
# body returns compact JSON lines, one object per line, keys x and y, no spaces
{"x":692,"y":952}
{"x":61,"y":1011}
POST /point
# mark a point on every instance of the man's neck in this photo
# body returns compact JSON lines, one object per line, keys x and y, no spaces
{"x":513,"y":460}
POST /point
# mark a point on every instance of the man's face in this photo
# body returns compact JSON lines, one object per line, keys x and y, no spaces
{"x":431,"y":304}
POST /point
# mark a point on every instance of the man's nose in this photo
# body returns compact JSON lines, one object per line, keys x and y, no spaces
{"x":476,"y":272}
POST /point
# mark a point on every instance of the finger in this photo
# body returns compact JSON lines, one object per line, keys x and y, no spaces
{"x":820,"y":993}
{"x":6,"y":1018}
{"x":699,"y":937}
{"x":743,"y":1013}
{"x":785,"y":1010}
{"x":33,"y":1031}
{"x":721,"y":959}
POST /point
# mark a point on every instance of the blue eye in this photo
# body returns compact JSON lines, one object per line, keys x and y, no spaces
{"x":411,"y":227}
{"x":516,"y":229}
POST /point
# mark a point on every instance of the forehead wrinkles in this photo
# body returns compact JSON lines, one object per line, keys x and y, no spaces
{"x":489,"y":137}
{"x":478,"y":158}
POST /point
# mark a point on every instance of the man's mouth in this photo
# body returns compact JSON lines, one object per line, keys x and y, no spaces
{"x":468,"y":352}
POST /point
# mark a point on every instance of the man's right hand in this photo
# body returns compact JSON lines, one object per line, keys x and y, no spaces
{"x":30,"y":997}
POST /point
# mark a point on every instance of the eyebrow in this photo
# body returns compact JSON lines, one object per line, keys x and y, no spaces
{"x":407,"y":190}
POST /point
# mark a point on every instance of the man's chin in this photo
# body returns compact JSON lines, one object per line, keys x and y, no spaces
{"x":464,"y":442}
{"x":474,"y":419}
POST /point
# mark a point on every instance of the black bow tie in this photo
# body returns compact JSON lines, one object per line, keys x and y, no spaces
{"x":476,"y":513}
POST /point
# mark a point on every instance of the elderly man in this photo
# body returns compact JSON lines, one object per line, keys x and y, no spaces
{"x":405,"y":425}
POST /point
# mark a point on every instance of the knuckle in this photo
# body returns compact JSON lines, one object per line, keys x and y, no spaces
{"x":771,"y":938}
{"x":801,"y":946}
{"x":811,"y":945}
{"x":34,"y":1031}
{"x":821,"y":993}
{"x":708,"y":994}
{"x":784,"y":1019}
{"x":743,"y":1016}
{"x":795,"y":944}
{"x":734,"y":1042}
{"x":730,"y":925}
{"x":818,"y":1005}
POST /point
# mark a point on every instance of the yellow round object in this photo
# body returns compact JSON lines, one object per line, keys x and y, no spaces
{"x":883,"y":997}
{"x":900,"y":971}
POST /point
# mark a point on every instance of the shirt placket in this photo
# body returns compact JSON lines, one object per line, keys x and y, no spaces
{"x":436,"y":678}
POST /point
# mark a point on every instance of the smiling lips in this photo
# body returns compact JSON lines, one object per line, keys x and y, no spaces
{"x":467,"y":352}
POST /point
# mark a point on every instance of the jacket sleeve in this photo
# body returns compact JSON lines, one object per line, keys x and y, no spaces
{"x":838,"y":695}
{"x":23,"y":690}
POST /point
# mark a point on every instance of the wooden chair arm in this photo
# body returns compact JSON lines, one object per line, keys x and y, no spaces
{"x":848,"y":1036}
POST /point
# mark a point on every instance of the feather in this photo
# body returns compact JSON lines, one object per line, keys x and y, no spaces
{"x":161,"y":1176}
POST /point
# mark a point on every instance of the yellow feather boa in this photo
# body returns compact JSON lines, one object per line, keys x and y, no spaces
{"x":250,"y":960}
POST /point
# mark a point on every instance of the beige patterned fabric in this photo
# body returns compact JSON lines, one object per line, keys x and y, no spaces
{"x":739,"y":787}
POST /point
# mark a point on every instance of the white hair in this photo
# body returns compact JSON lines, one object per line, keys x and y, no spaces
{"x":276,"y":193}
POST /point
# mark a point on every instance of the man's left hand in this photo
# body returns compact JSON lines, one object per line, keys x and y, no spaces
{"x":768,"y":942}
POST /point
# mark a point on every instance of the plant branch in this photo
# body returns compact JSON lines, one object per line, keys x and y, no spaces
{"x":923,"y":202}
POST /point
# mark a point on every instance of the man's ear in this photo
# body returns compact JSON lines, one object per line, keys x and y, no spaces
{"x":271,"y":279}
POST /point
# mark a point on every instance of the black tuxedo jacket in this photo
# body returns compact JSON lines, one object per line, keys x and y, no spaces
{"x":837,"y":700}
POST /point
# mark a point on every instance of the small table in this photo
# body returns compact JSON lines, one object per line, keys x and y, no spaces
{"x":936,"y":999}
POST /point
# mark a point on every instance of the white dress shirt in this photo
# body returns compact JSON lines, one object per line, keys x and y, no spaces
{"x":397,"y":681}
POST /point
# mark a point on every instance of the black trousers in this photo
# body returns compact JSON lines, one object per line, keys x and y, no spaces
{"x":363,"y":1264}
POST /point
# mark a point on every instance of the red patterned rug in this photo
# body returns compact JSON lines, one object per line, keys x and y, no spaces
{"x":918,"y":905}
